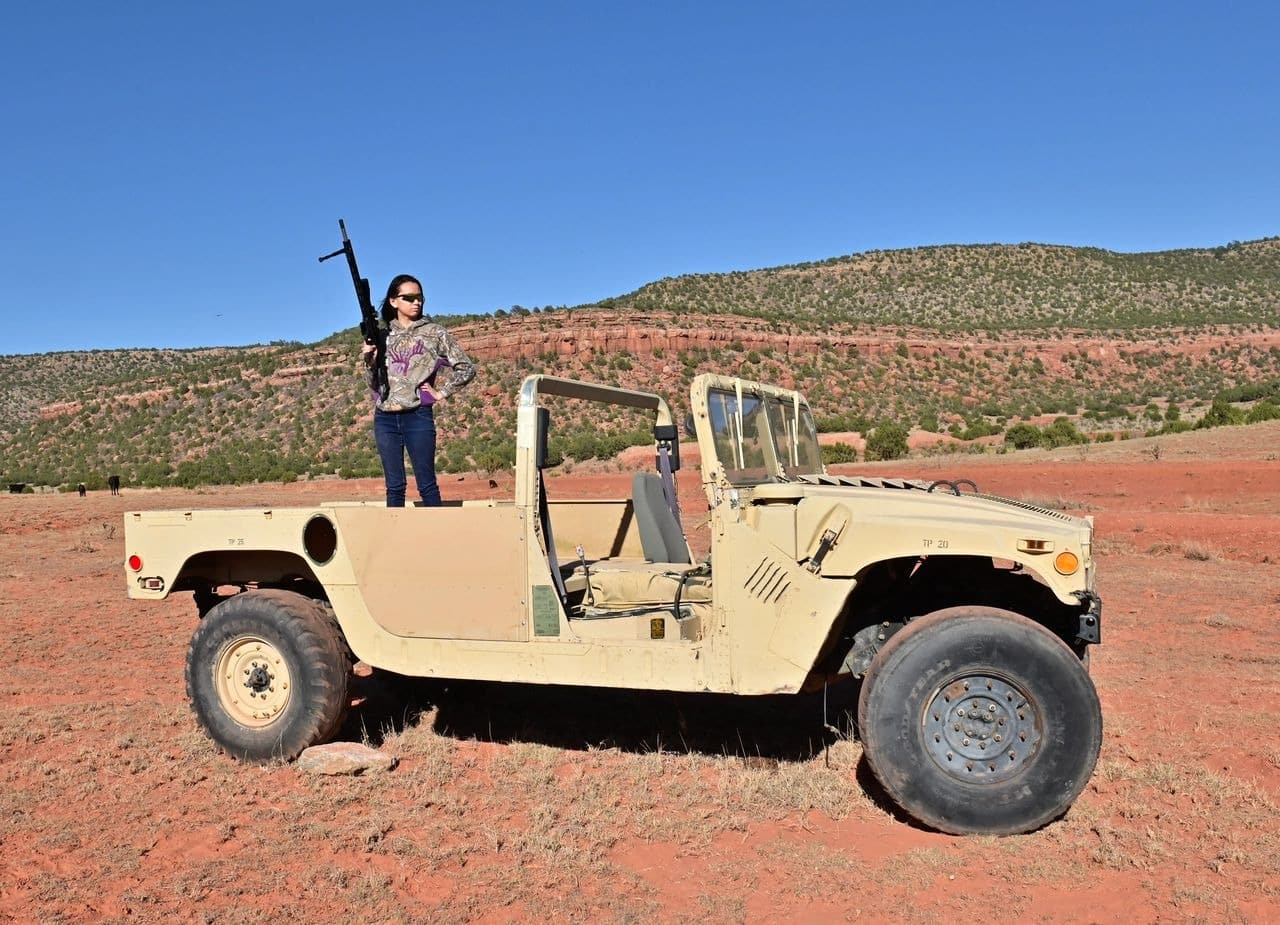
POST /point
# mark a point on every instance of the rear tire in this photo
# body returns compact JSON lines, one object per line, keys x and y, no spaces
{"x":267,"y":675}
{"x":978,"y":721}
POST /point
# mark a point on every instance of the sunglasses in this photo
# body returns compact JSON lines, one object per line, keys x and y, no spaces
{"x":410,"y":296}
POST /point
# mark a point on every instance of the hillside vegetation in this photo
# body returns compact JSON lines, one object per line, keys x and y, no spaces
{"x":995,"y":287}
{"x":974,"y":343}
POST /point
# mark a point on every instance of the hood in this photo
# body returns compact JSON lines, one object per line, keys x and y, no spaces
{"x":882,"y":518}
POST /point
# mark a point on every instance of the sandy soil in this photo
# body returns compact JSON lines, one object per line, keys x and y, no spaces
{"x":517,"y":803}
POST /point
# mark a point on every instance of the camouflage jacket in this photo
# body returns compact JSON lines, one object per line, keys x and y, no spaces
{"x":424,"y":353}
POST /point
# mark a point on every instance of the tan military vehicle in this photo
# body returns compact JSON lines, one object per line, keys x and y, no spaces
{"x":967,"y":617}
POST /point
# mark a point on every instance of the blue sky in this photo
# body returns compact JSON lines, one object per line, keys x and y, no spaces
{"x":169,"y":172}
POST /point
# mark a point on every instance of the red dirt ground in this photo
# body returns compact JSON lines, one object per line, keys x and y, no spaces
{"x":515,"y":803}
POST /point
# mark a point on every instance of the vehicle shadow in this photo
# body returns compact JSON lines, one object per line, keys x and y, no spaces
{"x":793,"y":727}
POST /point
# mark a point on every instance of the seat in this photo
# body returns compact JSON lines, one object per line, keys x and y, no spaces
{"x":660,"y":536}
{"x":628,"y":584}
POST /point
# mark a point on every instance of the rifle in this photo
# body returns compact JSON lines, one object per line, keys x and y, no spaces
{"x":370,"y":328}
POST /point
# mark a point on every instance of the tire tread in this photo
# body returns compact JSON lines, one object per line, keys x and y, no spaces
{"x":323,"y":668}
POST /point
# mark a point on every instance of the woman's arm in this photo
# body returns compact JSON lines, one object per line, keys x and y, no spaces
{"x":450,"y":357}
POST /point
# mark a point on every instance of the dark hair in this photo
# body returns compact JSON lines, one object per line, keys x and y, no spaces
{"x":387,"y":311}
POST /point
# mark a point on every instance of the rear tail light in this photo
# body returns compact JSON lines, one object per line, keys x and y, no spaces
{"x":135,"y":564}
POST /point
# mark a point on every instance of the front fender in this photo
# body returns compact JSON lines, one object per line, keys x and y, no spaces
{"x":915,"y":524}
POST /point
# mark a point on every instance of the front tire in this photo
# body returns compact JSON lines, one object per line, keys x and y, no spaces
{"x":267,"y":675}
{"x":978,"y":721}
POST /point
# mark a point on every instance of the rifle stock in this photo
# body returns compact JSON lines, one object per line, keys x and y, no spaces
{"x":371,"y":328}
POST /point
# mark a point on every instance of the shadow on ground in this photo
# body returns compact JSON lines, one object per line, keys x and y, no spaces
{"x":781,"y":728}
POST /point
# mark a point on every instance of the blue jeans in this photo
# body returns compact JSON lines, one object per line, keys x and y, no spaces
{"x":415,"y":431}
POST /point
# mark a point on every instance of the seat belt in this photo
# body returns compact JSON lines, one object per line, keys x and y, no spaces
{"x":666,"y":436}
{"x":669,"y":485}
{"x":544,"y":515}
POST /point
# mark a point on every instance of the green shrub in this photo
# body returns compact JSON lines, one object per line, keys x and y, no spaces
{"x":887,"y":441}
{"x":1252,"y":391}
{"x":1221,"y":414}
{"x":839,"y":453}
{"x":1061,"y":433}
{"x":1022,"y":436}
{"x":979,"y":428}
{"x":842,"y":423}
{"x":495,"y":457}
{"x":1263,"y":411}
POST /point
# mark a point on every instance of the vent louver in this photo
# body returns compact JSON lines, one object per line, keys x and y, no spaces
{"x":768,"y":581}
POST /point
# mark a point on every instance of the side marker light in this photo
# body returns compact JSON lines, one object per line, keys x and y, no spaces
{"x":135,"y":564}
{"x":1066,"y":563}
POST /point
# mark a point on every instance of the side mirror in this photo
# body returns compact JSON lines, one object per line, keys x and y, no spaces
{"x":689,"y":430}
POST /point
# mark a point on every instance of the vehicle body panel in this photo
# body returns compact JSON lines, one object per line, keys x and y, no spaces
{"x":469,"y":590}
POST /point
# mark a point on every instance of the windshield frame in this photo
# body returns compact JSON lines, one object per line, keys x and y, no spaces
{"x":795,"y":435}
{"x":756,"y":433}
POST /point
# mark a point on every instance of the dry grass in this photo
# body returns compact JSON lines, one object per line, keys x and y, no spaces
{"x":519,"y":804}
{"x":1235,"y":818}
{"x":816,"y":867}
{"x":1113,"y":546}
{"x":794,"y":787}
{"x":1057,"y":502}
{"x":1202,"y":505}
{"x":919,"y":868}
{"x":1199,"y":551}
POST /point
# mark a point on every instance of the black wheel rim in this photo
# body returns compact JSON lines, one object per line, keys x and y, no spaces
{"x":982,"y":728}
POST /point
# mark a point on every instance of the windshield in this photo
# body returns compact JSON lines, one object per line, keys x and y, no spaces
{"x":739,"y":438}
{"x":759,"y":438}
{"x":795,"y":435}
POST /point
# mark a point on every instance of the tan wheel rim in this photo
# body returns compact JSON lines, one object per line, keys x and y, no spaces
{"x":253,"y":681}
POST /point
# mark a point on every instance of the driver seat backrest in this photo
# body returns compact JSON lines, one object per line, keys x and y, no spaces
{"x":660,"y":535}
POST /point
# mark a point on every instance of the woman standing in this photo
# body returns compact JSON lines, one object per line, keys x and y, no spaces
{"x":424,"y":366}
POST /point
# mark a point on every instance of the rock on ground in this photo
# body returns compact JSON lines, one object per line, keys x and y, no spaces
{"x":344,"y":758}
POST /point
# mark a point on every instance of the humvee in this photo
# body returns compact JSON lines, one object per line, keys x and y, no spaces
{"x":967,"y":617}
